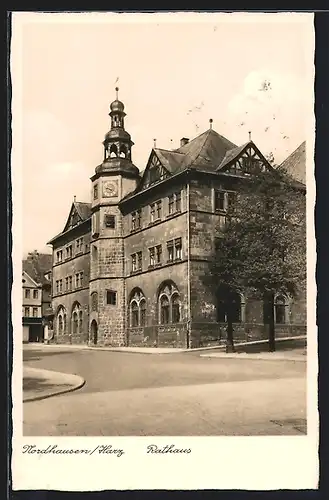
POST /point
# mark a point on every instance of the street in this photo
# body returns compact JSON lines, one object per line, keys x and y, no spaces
{"x":168,"y":394}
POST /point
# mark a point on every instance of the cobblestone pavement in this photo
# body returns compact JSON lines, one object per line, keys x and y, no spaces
{"x":179,"y":394}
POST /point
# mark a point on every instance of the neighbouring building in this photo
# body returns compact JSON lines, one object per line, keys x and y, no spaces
{"x":36,"y":291}
{"x":127,"y":268}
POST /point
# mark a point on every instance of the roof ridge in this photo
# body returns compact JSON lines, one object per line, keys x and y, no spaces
{"x":168,"y":151}
{"x":293,"y":152}
{"x":207,"y":132}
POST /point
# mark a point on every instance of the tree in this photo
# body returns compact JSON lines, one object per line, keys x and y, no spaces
{"x":262,"y":248}
{"x":225,"y":271}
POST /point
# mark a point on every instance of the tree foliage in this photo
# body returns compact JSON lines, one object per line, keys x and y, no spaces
{"x":262,"y":247}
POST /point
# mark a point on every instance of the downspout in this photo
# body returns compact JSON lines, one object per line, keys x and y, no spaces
{"x":188,"y":269}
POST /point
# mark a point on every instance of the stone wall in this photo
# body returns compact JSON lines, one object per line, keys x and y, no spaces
{"x":149,"y":283}
{"x":79,"y":262}
{"x":68,"y":302}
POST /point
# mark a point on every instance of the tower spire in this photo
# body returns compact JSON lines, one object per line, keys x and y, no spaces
{"x":117,"y":93}
{"x":210,"y":122}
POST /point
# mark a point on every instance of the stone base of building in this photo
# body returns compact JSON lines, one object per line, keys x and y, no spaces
{"x":158,"y":336}
{"x":176,"y":336}
{"x":209,"y":334}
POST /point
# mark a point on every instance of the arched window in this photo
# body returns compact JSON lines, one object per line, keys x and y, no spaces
{"x":164,"y":309}
{"x":94,"y":301}
{"x":175,"y":307}
{"x":137,"y":308}
{"x":142,"y":310}
{"x":76,"y":319}
{"x":80,"y":321}
{"x":169,"y":304}
{"x":134,"y":313}
{"x":123,"y":151}
{"x":75,"y":322}
{"x":94,"y":252}
{"x":281,"y":309}
{"x":113,"y":151}
{"x":61,"y":321}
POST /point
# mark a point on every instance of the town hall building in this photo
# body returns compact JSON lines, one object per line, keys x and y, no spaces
{"x":128,"y":266}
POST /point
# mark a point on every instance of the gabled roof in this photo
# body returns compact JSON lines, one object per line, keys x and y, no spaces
{"x":205,"y":151}
{"x":84,"y":209}
{"x":235,"y":153}
{"x":29,"y":282}
{"x":171,"y":160}
{"x":295,"y":164}
{"x":231,"y":155}
{"x":36,"y":265}
{"x":81,"y":209}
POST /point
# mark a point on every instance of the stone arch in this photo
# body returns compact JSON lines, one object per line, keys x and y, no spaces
{"x":76,"y":318}
{"x":113,"y":151}
{"x":175,"y":308}
{"x":61,"y":320}
{"x":94,"y":301}
{"x":123,"y":151}
{"x":281,"y":308}
{"x":137,"y":308}
{"x":94,"y":332}
{"x":169,"y":303}
{"x":170,"y":285}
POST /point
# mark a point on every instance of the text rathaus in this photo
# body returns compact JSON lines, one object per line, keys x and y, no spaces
{"x":128,"y":267}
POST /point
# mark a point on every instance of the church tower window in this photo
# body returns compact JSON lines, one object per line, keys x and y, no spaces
{"x":111,"y":297}
{"x":110,"y":221}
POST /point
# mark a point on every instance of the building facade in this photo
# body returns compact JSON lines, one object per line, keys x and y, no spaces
{"x":128,"y":267}
{"x":36,"y":295}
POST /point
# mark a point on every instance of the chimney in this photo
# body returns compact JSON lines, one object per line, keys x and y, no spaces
{"x":183,"y":141}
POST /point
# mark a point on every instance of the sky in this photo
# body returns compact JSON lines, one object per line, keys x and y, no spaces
{"x":174,"y":74}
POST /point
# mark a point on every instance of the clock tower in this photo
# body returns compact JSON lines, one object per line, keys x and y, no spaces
{"x":114,"y":178}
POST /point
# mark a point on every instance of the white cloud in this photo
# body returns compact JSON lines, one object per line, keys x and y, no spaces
{"x":270,"y":105}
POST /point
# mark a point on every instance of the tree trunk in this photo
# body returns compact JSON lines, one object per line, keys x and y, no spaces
{"x":271,"y":330}
{"x":229,"y":338}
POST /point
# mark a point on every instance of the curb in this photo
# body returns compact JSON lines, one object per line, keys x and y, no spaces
{"x":173,"y":350}
{"x":80,"y":382}
{"x":253,"y":357}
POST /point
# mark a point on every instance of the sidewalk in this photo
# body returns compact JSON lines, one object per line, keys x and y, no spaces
{"x":217,"y":351}
{"x":40,"y":384}
{"x":272,"y":356}
{"x":143,"y":350}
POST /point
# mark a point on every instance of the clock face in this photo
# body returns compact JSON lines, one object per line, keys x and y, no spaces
{"x":110,"y":189}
